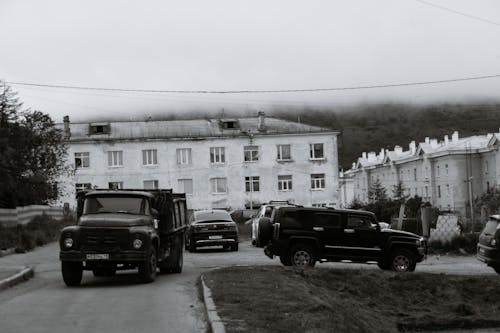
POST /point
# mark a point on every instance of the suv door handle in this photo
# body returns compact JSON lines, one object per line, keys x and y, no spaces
{"x":318,"y":229}
{"x":349,"y":231}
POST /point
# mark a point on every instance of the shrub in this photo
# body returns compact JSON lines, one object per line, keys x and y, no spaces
{"x":462,"y":244}
{"x":40,"y":230}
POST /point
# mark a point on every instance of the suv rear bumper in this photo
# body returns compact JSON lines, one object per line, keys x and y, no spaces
{"x":488,"y":255}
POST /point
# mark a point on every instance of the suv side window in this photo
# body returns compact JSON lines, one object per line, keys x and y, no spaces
{"x":326,"y":219}
{"x":291,"y":219}
{"x":359,"y":222}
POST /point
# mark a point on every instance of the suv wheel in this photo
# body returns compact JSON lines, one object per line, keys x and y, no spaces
{"x":402,"y":261}
{"x":265,"y":233}
{"x":302,"y":255}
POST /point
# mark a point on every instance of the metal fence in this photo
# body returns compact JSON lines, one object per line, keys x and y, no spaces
{"x":23,"y":215}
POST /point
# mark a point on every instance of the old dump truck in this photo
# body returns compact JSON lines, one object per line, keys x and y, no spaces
{"x":123,"y":230}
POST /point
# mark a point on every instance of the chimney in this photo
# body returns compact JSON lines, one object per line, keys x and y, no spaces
{"x":398,"y":149}
{"x":364,"y":155}
{"x":413,"y":147}
{"x":262,"y":121}
{"x":372,"y":156}
{"x":434,"y":143}
{"x":427,"y":139}
{"x":446,"y":140}
{"x":454,"y":137}
{"x":67,"y":131}
{"x":382,"y":153}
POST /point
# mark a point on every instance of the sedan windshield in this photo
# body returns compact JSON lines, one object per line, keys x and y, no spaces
{"x":116,"y":204}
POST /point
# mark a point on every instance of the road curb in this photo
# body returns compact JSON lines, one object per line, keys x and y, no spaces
{"x":7,"y":252}
{"x":25,"y":274}
{"x":216,"y":324}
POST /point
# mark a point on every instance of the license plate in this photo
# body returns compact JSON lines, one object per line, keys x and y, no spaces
{"x":481,"y":251}
{"x":99,"y":256}
{"x":215,"y":237}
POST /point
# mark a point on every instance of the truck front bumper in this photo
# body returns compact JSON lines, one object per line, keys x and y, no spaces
{"x":123,"y":256}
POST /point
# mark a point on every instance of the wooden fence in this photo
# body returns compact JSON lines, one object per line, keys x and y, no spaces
{"x":23,"y":215}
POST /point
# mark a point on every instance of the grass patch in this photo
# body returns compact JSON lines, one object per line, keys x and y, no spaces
{"x":282,"y":299}
{"x":39,"y":231}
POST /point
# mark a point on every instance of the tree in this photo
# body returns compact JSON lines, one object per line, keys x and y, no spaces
{"x":377,"y":192}
{"x":31,"y":153}
{"x":398,"y":192}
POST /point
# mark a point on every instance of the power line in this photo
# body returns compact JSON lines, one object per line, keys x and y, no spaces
{"x":458,"y":13}
{"x":403,"y":84}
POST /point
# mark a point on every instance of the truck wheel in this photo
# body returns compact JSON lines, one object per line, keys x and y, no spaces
{"x":265,"y":233}
{"x":402,"y":260}
{"x":192,"y":246}
{"x":234,"y":247}
{"x":302,"y":255}
{"x":72,"y":273}
{"x":147,"y":269}
{"x":109,"y":271}
{"x":180,"y":259}
{"x":285,"y":261}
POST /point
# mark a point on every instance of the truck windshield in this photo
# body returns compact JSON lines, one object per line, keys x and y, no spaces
{"x":116,"y":204}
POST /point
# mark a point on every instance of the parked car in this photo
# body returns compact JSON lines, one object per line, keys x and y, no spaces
{"x":302,"y":236}
{"x":211,"y":228}
{"x":488,"y":248}
{"x":265,"y":210}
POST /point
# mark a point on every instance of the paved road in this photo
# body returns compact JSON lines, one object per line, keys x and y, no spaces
{"x":121,"y":304}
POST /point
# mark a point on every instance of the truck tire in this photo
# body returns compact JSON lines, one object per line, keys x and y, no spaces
{"x":234,"y":247}
{"x":265,"y":233}
{"x":175,"y":262}
{"x":72,"y":273}
{"x":402,"y":260}
{"x":179,"y":262}
{"x":192,"y":245}
{"x":147,"y":269}
{"x":302,"y":255}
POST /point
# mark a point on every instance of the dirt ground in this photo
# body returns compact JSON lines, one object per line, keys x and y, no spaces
{"x":279,"y":299}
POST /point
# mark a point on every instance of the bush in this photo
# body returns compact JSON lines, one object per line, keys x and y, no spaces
{"x":463,"y":244}
{"x":40,"y":230}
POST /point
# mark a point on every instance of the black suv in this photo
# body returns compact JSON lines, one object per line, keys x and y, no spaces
{"x":300,"y":236}
{"x":488,"y":248}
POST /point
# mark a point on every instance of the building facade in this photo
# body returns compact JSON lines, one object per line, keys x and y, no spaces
{"x":218,"y":163}
{"x":447,"y":173}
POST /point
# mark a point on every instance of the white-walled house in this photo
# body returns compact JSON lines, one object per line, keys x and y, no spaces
{"x":445,"y":173}
{"x":218,"y":163}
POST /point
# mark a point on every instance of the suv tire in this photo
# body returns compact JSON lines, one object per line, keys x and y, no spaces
{"x":72,"y":273}
{"x":402,"y":260}
{"x":301,"y":255}
{"x":265,"y":233}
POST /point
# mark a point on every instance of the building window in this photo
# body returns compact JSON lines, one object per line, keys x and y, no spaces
{"x":446,"y":169}
{"x":185,"y":186}
{"x":115,"y":158}
{"x":184,"y":156}
{"x":252,"y":184}
{"x":150,"y":184}
{"x":251,"y":153}
{"x":82,"y":160}
{"x":149,"y":157}
{"x":437,"y":171}
{"x":98,"y":128}
{"x":316,"y":151}
{"x":219,"y":185}
{"x":284,"y":152}
{"x":487,"y":186}
{"x":426,"y":192}
{"x":285,"y":183}
{"x":447,"y":190}
{"x":486,"y":167}
{"x":415,"y":174}
{"x":217,"y":155}
{"x":82,"y":186}
{"x":317,"y":181}
{"x":115,"y":185}
{"x":439,"y":191}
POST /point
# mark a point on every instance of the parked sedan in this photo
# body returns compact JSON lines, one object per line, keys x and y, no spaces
{"x":488,"y":248}
{"x":212,"y":228}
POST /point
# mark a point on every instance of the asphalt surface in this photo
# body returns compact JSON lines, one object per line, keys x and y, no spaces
{"x":122,"y":304}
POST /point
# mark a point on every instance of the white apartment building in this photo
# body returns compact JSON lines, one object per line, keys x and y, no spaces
{"x":218,"y":163}
{"x":445,"y":173}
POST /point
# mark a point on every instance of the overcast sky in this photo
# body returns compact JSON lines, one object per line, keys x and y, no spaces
{"x":245,"y":45}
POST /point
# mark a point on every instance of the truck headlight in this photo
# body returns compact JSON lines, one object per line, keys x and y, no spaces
{"x":68,"y":243}
{"x":420,"y":242}
{"x":137,"y":244}
{"x":493,"y":242}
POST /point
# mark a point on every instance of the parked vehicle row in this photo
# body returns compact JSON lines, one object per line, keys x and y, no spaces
{"x":488,"y":248}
